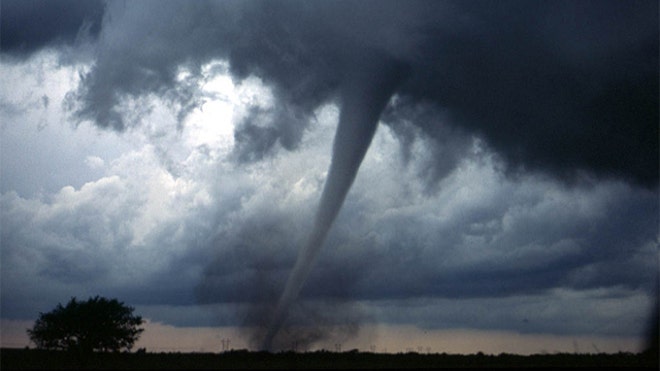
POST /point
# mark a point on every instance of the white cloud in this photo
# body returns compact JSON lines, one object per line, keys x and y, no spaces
{"x":41,"y":150}
{"x":94,"y":162}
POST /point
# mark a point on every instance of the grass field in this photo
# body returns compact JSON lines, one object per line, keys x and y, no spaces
{"x":40,"y":359}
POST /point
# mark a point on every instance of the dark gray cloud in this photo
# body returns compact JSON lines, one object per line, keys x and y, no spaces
{"x":257,"y":134}
{"x":29,"y":25}
{"x":428,"y":127}
{"x":553,"y":86}
{"x":542,"y":248}
{"x":253,"y":262}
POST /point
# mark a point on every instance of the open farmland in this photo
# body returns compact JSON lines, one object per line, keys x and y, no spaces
{"x":240,"y":359}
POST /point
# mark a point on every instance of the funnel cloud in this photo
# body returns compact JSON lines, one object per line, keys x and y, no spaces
{"x":363,"y":98}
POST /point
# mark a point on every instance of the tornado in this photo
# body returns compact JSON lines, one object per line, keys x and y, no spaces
{"x":363,"y":96}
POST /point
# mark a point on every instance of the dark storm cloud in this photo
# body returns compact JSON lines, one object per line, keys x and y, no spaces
{"x":252,"y":258}
{"x":29,"y":25}
{"x":557,"y":86}
{"x":444,"y":144}
{"x":257,"y":134}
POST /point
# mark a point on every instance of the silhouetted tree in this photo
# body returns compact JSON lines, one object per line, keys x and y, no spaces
{"x":97,"y":324}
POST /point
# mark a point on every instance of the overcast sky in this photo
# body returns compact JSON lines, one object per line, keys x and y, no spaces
{"x":172,"y":154}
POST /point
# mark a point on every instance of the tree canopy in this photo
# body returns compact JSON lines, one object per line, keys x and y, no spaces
{"x":97,"y":324}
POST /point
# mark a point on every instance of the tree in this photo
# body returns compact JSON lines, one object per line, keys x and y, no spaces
{"x":97,"y":324}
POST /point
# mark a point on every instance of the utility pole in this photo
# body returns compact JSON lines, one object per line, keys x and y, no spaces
{"x":225,"y":344}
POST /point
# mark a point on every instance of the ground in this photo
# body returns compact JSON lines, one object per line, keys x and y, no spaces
{"x":39,"y":359}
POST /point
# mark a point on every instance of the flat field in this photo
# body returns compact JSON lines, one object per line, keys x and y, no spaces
{"x":241,"y":359}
